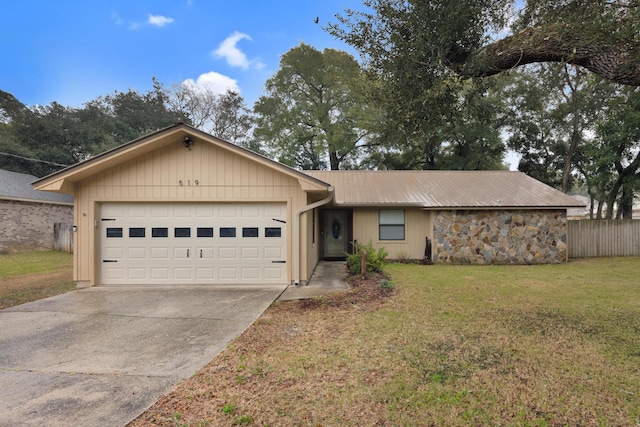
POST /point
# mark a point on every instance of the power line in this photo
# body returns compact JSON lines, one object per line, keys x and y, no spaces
{"x":33,"y":160}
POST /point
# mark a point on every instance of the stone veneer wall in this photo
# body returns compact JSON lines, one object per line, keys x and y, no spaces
{"x":500,"y":237}
{"x":26,"y":226}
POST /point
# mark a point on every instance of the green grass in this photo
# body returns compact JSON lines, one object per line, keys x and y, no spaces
{"x":548,"y":345}
{"x":27,"y":277}
{"x":34,"y":262}
{"x":514,"y":345}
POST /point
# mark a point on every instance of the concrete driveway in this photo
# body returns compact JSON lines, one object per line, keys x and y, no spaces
{"x":101,"y":356}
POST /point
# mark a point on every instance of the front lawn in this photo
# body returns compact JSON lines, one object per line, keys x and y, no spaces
{"x":548,"y":345}
{"x":31,"y":276}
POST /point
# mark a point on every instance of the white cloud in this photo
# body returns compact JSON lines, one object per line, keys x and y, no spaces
{"x":159,"y":20}
{"x":155,"y":20}
{"x":234,"y":56}
{"x":117,"y":19}
{"x":213,"y":82}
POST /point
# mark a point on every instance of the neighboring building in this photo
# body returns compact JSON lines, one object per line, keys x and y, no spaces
{"x":27,"y":216}
{"x":181,"y":206}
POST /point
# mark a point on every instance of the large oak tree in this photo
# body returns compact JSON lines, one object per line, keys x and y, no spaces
{"x":485,"y":37}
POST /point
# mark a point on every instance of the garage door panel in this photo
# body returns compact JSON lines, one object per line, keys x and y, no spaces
{"x":250,"y":211}
{"x":205,"y":273}
{"x":228,"y":253}
{"x":159,"y":253}
{"x":182,"y":253}
{"x":137,"y":273}
{"x":159,"y":273}
{"x":114,"y":253}
{"x":250,"y":253}
{"x":228,"y":273}
{"x":273,"y":252}
{"x":137,"y":211}
{"x":205,"y":211}
{"x":273,"y":273}
{"x":275,"y":210}
{"x":137,"y":253}
{"x":250,"y":273}
{"x":181,"y":273}
{"x":182,"y":211}
{"x":227,"y":211}
{"x":113,"y":210}
{"x":205,"y":253}
{"x":115,"y":273}
{"x":197,"y":243}
{"x":159,"y":211}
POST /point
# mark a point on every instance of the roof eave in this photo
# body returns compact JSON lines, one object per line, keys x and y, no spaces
{"x":504,"y":207}
{"x":450,"y":207}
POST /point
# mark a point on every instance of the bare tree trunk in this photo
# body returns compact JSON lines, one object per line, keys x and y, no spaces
{"x":626,"y":201}
{"x":575,"y":133}
{"x":334,"y":161}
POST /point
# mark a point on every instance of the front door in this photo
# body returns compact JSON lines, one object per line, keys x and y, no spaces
{"x":336,"y":235}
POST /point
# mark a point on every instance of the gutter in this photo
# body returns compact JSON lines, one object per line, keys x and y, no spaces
{"x":42,"y":201}
{"x":300,"y":211}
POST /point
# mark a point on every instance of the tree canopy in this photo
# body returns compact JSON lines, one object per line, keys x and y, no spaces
{"x":475,"y":38}
{"x":315,"y":114}
{"x":42,"y":139}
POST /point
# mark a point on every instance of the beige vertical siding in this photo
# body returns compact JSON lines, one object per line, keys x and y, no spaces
{"x":418,"y":226}
{"x":602,"y":238}
{"x":206,"y":173}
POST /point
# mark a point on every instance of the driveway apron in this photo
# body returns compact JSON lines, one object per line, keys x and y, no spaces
{"x":101,"y":356}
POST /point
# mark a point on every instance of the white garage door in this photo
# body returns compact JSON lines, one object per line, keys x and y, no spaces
{"x":193,"y":244}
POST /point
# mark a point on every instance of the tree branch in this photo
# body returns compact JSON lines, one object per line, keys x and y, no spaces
{"x":606,"y":55}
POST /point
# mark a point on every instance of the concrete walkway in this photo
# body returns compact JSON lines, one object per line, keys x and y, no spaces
{"x":101,"y":356}
{"x":328,"y":277}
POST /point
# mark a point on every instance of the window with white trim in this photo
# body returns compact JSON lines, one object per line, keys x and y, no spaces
{"x":391,"y":224}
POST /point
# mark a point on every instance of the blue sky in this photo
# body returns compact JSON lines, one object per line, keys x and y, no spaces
{"x":73,"y":51}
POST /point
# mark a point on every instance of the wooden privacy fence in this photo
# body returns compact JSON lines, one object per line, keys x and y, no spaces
{"x":603,"y":238}
{"x":63,"y":237}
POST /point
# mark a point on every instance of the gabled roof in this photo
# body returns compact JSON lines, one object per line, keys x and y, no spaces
{"x":62,"y":181}
{"x":17,"y":186}
{"x":443,"y":189}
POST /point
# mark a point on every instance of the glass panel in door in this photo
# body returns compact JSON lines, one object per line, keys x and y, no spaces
{"x":335,"y":234}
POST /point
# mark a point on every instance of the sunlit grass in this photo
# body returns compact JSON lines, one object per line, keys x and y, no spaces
{"x":34,"y":262}
{"x":27,"y":277}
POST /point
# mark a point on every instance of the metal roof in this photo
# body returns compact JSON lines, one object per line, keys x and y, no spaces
{"x":443,"y":189}
{"x":17,"y":186}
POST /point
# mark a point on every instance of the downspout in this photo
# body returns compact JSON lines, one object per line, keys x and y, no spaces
{"x":297,"y":236}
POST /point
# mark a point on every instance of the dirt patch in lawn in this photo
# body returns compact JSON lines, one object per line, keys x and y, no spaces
{"x":34,"y":281}
{"x":260,"y":377}
{"x":31,"y":287}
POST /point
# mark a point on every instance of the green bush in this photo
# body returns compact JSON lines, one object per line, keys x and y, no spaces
{"x":375,"y":258}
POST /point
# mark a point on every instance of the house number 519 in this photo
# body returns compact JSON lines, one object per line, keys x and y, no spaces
{"x":188,"y":182}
